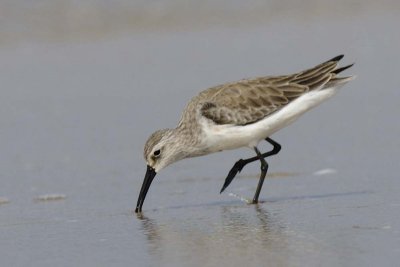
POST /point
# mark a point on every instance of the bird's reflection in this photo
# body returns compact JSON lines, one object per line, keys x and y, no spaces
{"x":237,"y":235}
{"x":152,"y":232}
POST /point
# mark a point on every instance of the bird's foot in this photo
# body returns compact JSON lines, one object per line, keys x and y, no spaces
{"x":232,"y":173}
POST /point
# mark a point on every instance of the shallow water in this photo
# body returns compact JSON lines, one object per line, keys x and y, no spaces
{"x":75,"y":113}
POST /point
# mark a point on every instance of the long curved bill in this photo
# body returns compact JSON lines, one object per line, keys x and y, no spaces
{"x":148,"y":178}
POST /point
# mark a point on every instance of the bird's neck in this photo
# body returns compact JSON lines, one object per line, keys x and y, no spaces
{"x":188,"y":138}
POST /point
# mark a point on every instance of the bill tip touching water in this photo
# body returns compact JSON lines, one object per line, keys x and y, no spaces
{"x":241,"y":114}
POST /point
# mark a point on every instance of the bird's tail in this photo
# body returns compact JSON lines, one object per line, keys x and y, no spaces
{"x":323,"y":76}
{"x":338,"y":82}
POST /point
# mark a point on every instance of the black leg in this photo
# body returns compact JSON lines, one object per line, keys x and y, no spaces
{"x":264,"y":169}
{"x":243,"y":162}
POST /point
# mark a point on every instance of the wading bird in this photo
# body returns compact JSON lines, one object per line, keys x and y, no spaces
{"x":240,"y":114}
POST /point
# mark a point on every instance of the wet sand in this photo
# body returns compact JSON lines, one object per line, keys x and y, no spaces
{"x":76,"y":112}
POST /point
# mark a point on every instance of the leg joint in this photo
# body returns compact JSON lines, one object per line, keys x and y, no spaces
{"x":277,"y":148}
{"x":240,"y":164}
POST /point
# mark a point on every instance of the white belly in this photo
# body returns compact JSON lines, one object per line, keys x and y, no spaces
{"x":224,"y":137}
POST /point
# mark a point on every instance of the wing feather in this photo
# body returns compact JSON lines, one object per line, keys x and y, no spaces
{"x":250,"y":100}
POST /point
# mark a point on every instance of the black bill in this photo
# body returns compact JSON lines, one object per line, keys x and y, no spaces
{"x":148,"y":178}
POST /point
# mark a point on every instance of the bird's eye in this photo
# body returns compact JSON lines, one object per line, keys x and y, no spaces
{"x":157,"y":153}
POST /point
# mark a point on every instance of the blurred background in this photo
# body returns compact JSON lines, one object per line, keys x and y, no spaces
{"x":68,"y":20}
{"x":84,"y":83}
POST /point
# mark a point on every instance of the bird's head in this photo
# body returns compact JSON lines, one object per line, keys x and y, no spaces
{"x":163,"y":148}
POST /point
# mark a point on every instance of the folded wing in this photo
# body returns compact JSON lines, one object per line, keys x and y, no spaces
{"x":250,"y":100}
